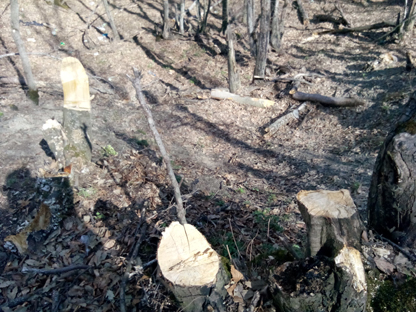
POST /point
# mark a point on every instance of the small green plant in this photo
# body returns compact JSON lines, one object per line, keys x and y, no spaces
{"x":221,"y":242}
{"x":87,"y":192}
{"x":99,"y":216}
{"x":386,"y":107}
{"x":247,"y":203}
{"x":265,"y":219}
{"x":241,"y":190}
{"x":355,"y":186}
{"x":175,"y":166}
{"x":224,"y":73}
{"x":271,"y":199}
{"x":220,"y":203}
{"x":109,"y":151}
{"x":1,"y":114}
{"x":141,"y":132}
{"x":142,"y":143}
{"x":193,"y":80}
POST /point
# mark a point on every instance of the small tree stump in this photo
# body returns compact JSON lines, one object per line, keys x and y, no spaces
{"x":321,"y":284}
{"x":332,"y":221}
{"x":192,"y":269}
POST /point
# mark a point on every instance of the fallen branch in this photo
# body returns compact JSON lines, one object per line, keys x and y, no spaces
{"x":403,"y":251}
{"x":357,"y":29}
{"x":224,"y":95}
{"x":55,"y":271}
{"x":139,"y":95}
{"x":284,"y":120}
{"x":328,"y":100}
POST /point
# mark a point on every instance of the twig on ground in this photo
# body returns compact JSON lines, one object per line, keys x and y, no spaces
{"x":55,"y":271}
{"x":327,"y":100}
{"x":358,"y":29}
{"x":289,"y":248}
{"x":232,"y":233}
{"x":33,"y":53}
{"x":137,"y":85}
{"x":407,"y":254}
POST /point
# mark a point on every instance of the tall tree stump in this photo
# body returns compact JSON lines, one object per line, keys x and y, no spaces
{"x":392,"y":200}
{"x":76,"y":115}
{"x":332,"y":221}
{"x":191,"y":269}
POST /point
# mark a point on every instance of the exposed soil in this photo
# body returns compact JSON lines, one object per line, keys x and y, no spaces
{"x":232,"y":176}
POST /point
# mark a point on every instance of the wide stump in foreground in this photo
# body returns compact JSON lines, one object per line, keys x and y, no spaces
{"x":332,"y":221}
{"x":192,"y":269}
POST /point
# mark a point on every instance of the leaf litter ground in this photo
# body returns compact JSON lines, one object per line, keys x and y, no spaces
{"x":239,"y":188}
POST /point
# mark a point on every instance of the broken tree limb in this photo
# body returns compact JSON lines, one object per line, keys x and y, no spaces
{"x":303,"y":14}
{"x":328,"y":100}
{"x":332,"y":221}
{"x":139,"y":95}
{"x":55,"y":271}
{"x":358,"y":29}
{"x":193,"y":270}
{"x":219,"y":94}
{"x":286,"y":119}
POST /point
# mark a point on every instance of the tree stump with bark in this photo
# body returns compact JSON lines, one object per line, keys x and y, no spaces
{"x":332,"y":221}
{"x":392,"y":200}
{"x":191,"y":269}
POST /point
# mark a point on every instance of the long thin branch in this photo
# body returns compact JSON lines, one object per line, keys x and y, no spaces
{"x":139,"y":95}
{"x":358,"y":29}
{"x":328,"y":100}
{"x":55,"y":271}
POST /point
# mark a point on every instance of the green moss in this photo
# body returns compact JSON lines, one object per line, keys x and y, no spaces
{"x":226,"y":265}
{"x":409,"y":127}
{"x":390,"y":298}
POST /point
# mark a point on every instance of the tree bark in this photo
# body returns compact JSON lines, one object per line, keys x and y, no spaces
{"x":182,"y":15}
{"x":392,"y":199}
{"x":192,"y":269}
{"x":233,"y":74}
{"x":166,"y":25}
{"x":112,"y":24}
{"x":263,"y":40}
{"x":204,"y":23}
{"x":276,"y":33}
{"x":224,"y":16}
{"x":27,"y":69}
{"x":250,"y":26}
{"x":410,"y":16}
{"x":332,"y":221}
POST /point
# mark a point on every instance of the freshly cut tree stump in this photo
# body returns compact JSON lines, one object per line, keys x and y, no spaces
{"x":192,"y":269}
{"x":332,"y":221}
{"x":321,"y":284}
{"x":77,"y":114}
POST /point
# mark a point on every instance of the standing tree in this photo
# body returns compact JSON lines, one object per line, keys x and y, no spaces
{"x":182,"y":15}
{"x":263,"y":40}
{"x":166,"y":26}
{"x":14,"y":16}
{"x":204,"y":22}
{"x":410,"y":15}
{"x":277,"y":25}
{"x":224,"y":16}
{"x":250,"y":26}
{"x":112,"y":24}
{"x":233,"y":75}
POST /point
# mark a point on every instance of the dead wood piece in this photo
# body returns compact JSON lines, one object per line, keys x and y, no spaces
{"x":219,"y":94}
{"x":358,"y":29}
{"x":286,"y":119}
{"x":139,"y":94}
{"x":332,"y":221}
{"x":55,"y":271}
{"x":327,"y":100}
{"x":303,"y":14}
{"x":192,"y":268}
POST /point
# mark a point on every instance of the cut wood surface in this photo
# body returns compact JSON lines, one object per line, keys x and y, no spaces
{"x":328,"y":100}
{"x":332,"y":221}
{"x":192,"y":267}
{"x":219,"y":94}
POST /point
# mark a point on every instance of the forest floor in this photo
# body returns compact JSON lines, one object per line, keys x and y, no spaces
{"x":237,"y":183}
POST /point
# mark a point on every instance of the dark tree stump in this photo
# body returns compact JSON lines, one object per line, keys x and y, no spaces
{"x":332,"y":221}
{"x":392,"y":197}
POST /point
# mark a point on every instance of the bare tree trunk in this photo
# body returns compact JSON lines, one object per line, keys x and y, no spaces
{"x":410,"y":16}
{"x":263,"y":39}
{"x":224,"y":16}
{"x":181,"y":26}
{"x":250,"y":26}
{"x":275,"y":35}
{"x":112,"y":24}
{"x":204,"y":23}
{"x":166,"y":27}
{"x":233,"y":75}
{"x":14,"y":17}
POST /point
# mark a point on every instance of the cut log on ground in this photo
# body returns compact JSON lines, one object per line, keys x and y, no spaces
{"x":77,"y":115}
{"x":321,"y":284}
{"x":392,"y":202}
{"x":332,"y":221}
{"x":328,"y":100}
{"x":358,"y":29}
{"x":225,"y":95}
{"x":192,"y":269}
{"x":286,"y":119}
